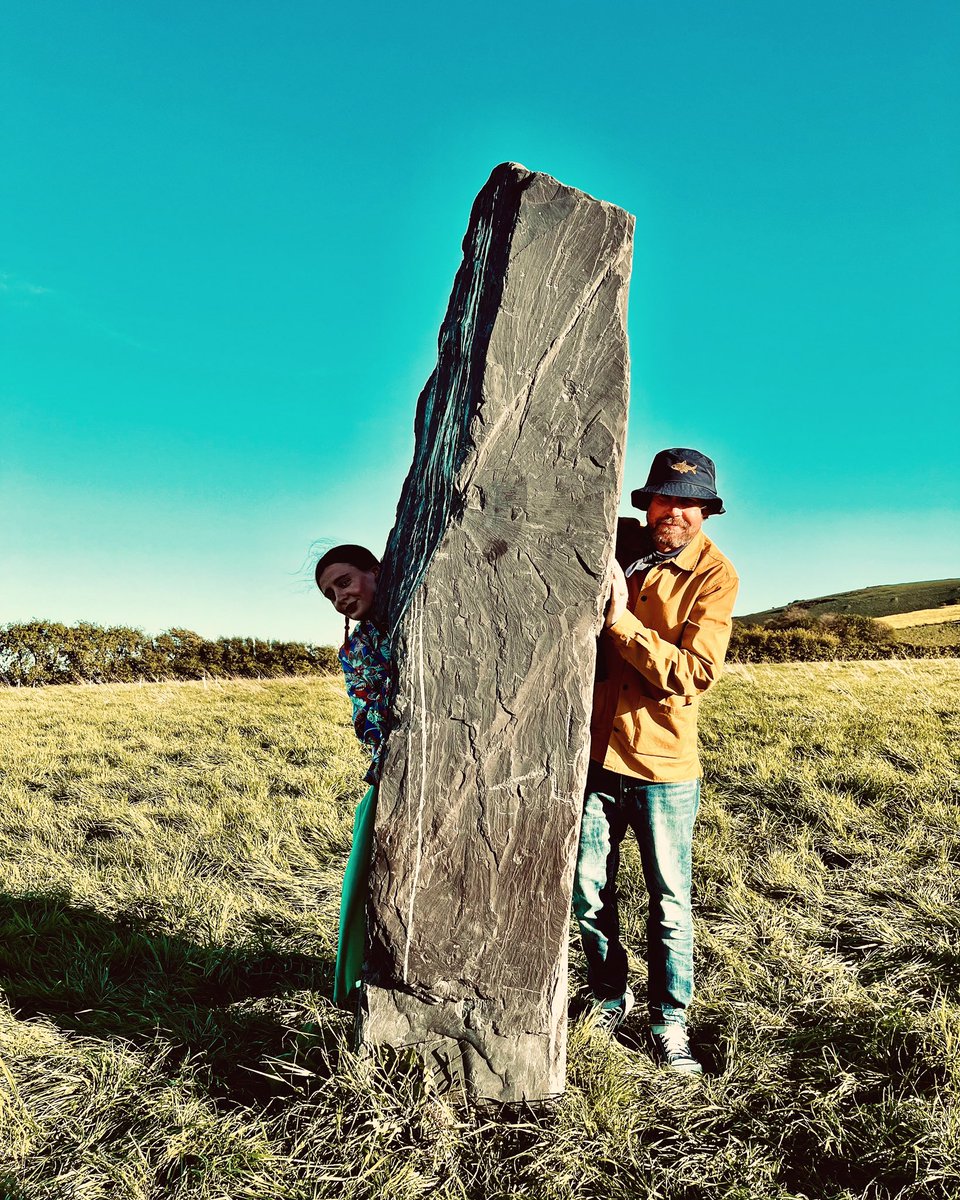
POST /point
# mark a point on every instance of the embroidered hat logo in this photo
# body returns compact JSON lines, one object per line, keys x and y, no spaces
{"x":684,"y":467}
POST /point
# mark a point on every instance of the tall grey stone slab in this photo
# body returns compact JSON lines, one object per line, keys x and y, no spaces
{"x":494,"y":583}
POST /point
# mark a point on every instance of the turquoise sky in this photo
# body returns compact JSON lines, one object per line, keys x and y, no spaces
{"x":228,"y":232}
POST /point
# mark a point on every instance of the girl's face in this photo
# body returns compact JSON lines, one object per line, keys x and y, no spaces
{"x":349,"y":589}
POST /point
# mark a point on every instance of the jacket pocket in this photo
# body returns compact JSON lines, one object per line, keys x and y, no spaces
{"x":666,"y":728}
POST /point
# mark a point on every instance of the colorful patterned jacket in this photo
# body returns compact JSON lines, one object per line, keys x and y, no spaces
{"x":365,"y":658}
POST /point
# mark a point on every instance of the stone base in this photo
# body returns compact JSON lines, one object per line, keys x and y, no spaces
{"x":468,"y":1045}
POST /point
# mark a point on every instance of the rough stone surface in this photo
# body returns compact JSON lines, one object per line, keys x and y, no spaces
{"x":494,"y":583}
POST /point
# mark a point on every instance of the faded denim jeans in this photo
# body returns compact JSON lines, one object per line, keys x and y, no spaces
{"x":662,"y":817}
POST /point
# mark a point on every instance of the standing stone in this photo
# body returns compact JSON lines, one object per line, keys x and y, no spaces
{"x":494,"y":582}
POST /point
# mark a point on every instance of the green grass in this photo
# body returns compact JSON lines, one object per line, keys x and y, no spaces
{"x":946,"y":635}
{"x":879,"y":601}
{"x":171,"y":857}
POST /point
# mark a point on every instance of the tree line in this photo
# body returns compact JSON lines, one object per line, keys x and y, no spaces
{"x":34,"y":653}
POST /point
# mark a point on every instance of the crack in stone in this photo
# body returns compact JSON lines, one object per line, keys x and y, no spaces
{"x":418,"y":859}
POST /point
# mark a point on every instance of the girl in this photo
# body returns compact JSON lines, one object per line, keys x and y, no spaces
{"x":347,"y":576}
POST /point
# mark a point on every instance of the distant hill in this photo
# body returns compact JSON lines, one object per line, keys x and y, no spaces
{"x":879,"y":601}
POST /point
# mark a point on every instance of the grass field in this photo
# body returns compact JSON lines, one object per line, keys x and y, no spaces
{"x":924,"y":616}
{"x":171,"y":857}
{"x":946,"y":636}
{"x":928,"y":627}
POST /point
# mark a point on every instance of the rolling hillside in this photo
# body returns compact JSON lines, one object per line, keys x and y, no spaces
{"x":880,"y":601}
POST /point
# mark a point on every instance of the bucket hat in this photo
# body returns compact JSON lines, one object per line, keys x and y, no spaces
{"x":680,"y":472}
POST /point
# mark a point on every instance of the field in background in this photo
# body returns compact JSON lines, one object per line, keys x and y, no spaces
{"x":938,"y":627}
{"x":947,"y":637}
{"x":170,"y":857}
{"x":924,"y":616}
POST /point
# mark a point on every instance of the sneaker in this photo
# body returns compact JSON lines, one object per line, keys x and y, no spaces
{"x":609,"y":1015}
{"x":672,"y":1047}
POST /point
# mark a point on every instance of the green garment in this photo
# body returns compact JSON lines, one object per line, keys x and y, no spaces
{"x":353,"y":902}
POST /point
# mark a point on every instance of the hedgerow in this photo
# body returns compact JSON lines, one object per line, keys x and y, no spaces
{"x":797,"y":637}
{"x":35,"y":653}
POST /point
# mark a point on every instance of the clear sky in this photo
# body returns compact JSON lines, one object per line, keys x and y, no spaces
{"x":228,"y":233}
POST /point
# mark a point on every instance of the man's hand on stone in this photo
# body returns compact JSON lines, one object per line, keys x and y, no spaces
{"x":618,"y":594}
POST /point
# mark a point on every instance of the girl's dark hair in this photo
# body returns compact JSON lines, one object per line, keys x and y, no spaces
{"x":356,"y":556}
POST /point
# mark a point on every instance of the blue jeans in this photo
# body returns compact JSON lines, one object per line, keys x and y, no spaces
{"x":662,"y":817}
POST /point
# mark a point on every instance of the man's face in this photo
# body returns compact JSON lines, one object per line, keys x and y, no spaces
{"x":673,"y":521}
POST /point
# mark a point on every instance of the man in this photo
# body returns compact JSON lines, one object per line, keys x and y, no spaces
{"x":666,"y":632}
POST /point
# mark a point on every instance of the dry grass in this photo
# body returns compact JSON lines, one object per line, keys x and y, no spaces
{"x":170,"y":857}
{"x":923,"y":616}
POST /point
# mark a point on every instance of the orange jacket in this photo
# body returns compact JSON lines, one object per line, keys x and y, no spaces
{"x":658,"y":659}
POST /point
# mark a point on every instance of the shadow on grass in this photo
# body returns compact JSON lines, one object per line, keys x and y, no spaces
{"x":120,"y":977}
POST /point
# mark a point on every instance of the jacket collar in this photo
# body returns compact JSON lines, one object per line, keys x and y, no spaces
{"x":690,"y":555}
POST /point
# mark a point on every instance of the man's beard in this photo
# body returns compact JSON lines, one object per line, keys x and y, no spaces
{"x":669,"y":534}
